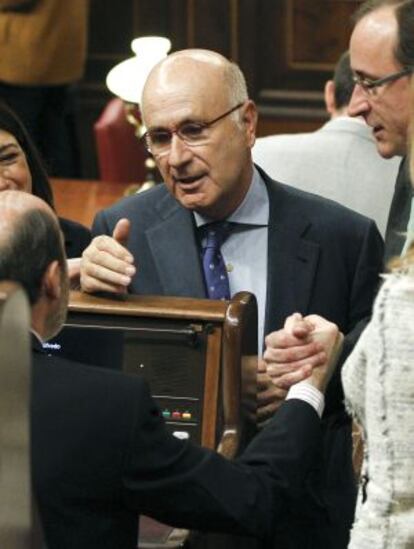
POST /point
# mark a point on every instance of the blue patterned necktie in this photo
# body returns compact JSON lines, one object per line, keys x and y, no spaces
{"x":215,"y":273}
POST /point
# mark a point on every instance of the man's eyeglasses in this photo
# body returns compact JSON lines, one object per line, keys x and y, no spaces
{"x":158,"y":141}
{"x":369,"y":86}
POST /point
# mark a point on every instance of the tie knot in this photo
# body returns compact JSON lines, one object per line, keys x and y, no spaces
{"x":215,"y":234}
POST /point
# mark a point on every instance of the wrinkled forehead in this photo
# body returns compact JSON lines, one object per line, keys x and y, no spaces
{"x":188,"y":89}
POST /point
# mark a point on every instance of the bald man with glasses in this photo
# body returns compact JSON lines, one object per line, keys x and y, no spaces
{"x":219,"y":225}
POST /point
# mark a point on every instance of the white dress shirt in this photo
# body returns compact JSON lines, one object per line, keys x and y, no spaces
{"x":245,"y":250}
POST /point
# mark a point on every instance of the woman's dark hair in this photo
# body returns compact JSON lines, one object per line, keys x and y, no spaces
{"x":10,"y":123}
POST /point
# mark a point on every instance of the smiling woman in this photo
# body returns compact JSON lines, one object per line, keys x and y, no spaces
{"x":14,"y":171}
{"x":22,"y":169}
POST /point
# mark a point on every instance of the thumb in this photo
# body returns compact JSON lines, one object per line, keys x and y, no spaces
{"x":291,"y":321}
{"x":298,"y":326}
{"x":121,"y":231}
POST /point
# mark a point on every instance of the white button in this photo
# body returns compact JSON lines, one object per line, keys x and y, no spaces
{"x":211,"y":266}
{"x":222,"y":277}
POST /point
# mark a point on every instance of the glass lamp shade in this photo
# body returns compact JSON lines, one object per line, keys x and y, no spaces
{"x":127,"y":79}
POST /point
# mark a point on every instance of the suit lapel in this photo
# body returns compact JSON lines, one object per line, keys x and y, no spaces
{"x":174,"y":248}
{"x":292,"y":259}
{"x":399,"y":213}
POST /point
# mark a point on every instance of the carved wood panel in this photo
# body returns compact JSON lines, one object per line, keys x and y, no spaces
{"x":317,"y":32}
{"x":286,"y":48}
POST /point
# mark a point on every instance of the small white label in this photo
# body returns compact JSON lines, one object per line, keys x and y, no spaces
{"x":182,"y":435}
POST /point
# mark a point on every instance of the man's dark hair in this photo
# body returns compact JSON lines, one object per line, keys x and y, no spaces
{"x":344,"y":84}
{"x":25,"y":253}
{"x":404,"y":13}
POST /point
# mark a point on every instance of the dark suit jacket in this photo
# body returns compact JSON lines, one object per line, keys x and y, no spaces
{"x":323,"y":259}
{"x":399,"y":213}
{"x":76,"y":237}
{"x":101,"y":455}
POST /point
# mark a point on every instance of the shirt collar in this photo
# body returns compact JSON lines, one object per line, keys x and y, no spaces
{"x":37,"y":336}
{"x":37,"y":343}
{"x":254,"y":210}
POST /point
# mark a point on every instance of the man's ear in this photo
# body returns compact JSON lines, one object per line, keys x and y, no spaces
{"x":51,"y":283}
{"x":329,"y":94}
{"x":249,"y":118}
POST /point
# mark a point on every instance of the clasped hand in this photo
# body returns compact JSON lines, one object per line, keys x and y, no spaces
{"x":305,"y":348}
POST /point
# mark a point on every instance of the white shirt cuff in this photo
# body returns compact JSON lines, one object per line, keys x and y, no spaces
{"x":304,"y":390}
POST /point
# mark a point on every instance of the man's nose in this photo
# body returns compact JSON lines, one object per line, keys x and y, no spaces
{"x":359,"y":104}
{"x":180,"y":153}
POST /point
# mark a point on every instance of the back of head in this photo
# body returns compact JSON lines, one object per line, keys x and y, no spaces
{"x":10,"y":123}
{"x":343,"y":82}
{"x":30,"y":240}
{"x":404,"y":13}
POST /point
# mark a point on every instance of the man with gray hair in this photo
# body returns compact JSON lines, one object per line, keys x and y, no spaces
{"x":218,"y":225}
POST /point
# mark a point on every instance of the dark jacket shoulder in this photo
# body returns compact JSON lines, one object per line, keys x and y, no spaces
{"x":77,"y":237}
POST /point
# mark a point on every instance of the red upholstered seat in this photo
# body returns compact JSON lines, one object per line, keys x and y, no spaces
{"x":121,"y":155}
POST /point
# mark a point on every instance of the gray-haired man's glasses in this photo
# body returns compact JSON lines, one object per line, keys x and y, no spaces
{"x":158,"y":141}
{"x":369,"y":86}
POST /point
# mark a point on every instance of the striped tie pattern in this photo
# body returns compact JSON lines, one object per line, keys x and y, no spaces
{"x":215,"y":273}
